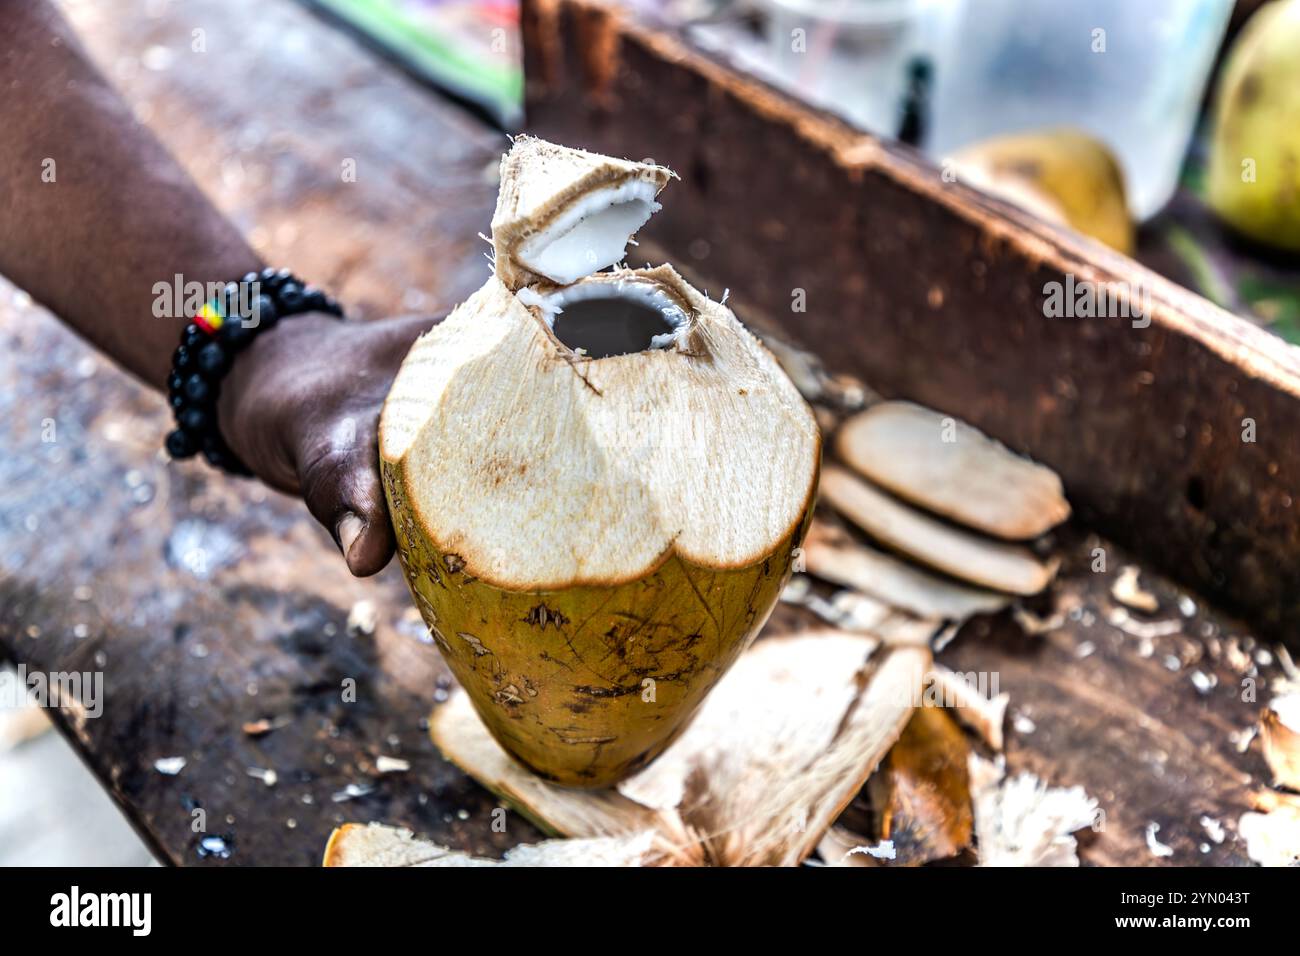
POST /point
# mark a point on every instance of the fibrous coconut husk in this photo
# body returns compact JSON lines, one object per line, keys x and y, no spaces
{"x":377,"y":845}
{"x":1023,"y":822}
{"x":778,"y":749}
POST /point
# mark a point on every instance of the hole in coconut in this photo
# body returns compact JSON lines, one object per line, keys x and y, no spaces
{"x":603,"y":319}
{"x":591,"y":234}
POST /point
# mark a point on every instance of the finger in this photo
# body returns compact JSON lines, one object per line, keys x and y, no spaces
{"x":342,"y":490}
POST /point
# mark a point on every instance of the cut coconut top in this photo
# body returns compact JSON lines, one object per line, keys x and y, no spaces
{"x":564,"y":213}
{"x":544,"y":469}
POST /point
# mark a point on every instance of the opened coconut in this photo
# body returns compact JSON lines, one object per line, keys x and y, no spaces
{"x":597,"y":478}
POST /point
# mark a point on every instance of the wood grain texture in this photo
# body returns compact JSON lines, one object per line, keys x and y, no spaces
{"x":96,"y":526}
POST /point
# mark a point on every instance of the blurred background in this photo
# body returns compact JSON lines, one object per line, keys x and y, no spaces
{"x":1130,"y":122}
{"x":1168,"y":130}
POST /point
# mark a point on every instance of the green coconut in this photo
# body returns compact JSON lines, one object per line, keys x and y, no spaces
{"x":598,"y":479}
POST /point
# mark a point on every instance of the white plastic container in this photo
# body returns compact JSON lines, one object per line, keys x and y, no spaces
{"x":848,"y":56}
{"x":1130,"y":73}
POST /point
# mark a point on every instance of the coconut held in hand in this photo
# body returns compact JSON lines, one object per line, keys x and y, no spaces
{"x":597,"y":478}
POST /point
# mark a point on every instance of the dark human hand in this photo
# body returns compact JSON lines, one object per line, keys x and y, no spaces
{"x":301,"y":408}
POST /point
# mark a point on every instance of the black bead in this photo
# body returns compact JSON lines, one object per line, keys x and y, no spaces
{"x":314,"y":300}
{"x":265,"y":310}
{"x":272,"y":279}
{"x":251,"y":277}
{"x":174,"y":382}
{"x":289,"y":297}
{"x":180,"y":444}
{"x":194,"y":420}
{"x":183,"y":358}
{"x":192,"y":336}
{"x":230,"y":298}
{"x":177,"y":402}
{"x":235,"y":335}
{"x":197,"y":389}
{"x":212,"y":360}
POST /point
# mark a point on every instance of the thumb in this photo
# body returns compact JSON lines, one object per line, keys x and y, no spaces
{"x":343,"y":492}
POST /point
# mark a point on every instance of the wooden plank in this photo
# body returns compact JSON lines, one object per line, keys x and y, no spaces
{"x":933,"y":292}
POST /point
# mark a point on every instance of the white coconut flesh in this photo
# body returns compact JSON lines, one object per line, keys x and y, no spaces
{"x":590,"y":234}
{"x":542,"y":469}
{"x":604,"y":316}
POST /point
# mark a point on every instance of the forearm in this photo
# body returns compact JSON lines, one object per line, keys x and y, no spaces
{"x":96,"y":212}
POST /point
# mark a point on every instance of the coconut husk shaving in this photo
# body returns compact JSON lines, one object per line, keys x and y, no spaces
{"x":777,"y":750}
{"x":377,"y":845}
{"x":1279,"y":735}
{"x":921,"y":793}
{"x":1021,"y":821}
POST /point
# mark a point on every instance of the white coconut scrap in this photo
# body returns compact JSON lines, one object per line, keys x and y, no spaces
{"x":1279,"y":734}
{"x":170,"y":766}
{"x":1128,"y":592}
{"x":1158,"y":849}
{"x":1272,"y":835}
{"x":1024,"y":822}
{"x":968,"y":704}
{"x":377,"y":845}
{"x":884,"y":850}
{"x":362,"y":618}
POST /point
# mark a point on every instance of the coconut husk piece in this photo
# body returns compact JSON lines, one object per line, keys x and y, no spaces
{"x":1279,"y":735}
{"x":863,"y":614}
{"x":782,"y":744}
{"x":952,"y":469}
{"x":921,"y":793}
{"x":1272,"y":834}
{"x":551,"y":193}
{"x":991,"y":564}
{"x":1020,"y":821}
{"x":842,"y":847}
{"x":982,"y":714}
{"x":833,"y":555}
{"x":377,"y":845}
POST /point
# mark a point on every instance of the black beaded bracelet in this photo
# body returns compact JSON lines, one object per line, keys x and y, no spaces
{"x":222,"y":329}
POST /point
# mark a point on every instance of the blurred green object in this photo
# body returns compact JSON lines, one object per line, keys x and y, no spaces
{"x":1253,"y":180}
{"x":470,"y":48}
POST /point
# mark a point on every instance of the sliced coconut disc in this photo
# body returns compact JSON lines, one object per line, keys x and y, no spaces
{"x":377,"y":845}
{"x":991,"y":564}
{"x":953,"y":469}
{"x":565,"y":213}
{"x":835,"y":557}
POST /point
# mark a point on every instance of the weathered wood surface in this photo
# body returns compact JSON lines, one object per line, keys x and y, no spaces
{"x":98,"y":534}
{"x":96,"y":526}
{"x":935,"y":292}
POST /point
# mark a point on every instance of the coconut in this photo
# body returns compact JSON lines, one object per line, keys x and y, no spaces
{"x":597,"y":479}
